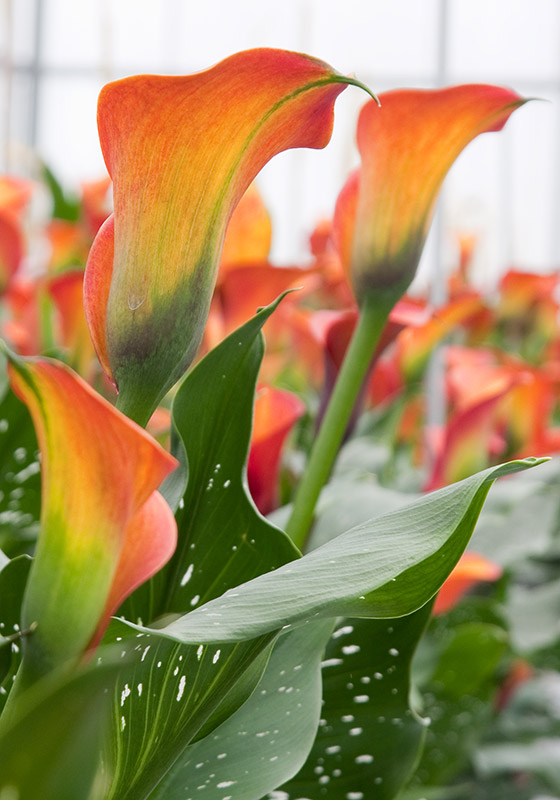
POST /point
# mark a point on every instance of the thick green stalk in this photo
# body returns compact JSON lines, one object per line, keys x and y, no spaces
{"x":371,"y":322}
{"x":46,"y":322}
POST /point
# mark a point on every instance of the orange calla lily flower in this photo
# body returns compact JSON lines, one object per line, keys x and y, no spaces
{"x":181,"y":152}
{"x":104,"y":529}
{"x":407,"y":147}
{"x":473,"y":375}
{"x":528,"y":396}
{"x":70,"y":241}
{"x":471,"y":568}
{"x":22,"y":329}
{"x":15,"y":194}
{"x":529,"y":407}
{"x":11,"y":247}
{"x":14,"y":197}
{"x":415,"y":345}
{"x":334,"y":329}
{"x":385,"y":383}
{"x":336,"y":291}
{"x":245,"y":289}
{"x":467,"y":442}
{"x":459,"y":280}
{"x":528,"y":306}
{"x":276,"y":413}
{"x":66,"y":291}
{"x":68,"y":245}
{"x":520,"y":292}
{"x":519,"y":673}
{"x":241,"y":291}
{"x":150,"y":538}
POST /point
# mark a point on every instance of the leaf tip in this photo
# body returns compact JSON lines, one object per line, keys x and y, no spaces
{"x":517,"y":465}
{"x":268,"y":309}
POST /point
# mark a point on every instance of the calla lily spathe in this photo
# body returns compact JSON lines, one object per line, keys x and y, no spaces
{"x":104,"y":528}
{"x":181,"y":152}
{"x":407,"y":146}
{"x":15,"y":195}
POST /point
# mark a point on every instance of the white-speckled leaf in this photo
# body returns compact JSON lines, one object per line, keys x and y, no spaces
{"x":13,"y":578}
{"x":173,"y":693}
{"x":165,"y":697}
{"x":387,"y":567}
{"x":20,"y":483}
{"x":267,"y":740}
{"x":369,"y":738}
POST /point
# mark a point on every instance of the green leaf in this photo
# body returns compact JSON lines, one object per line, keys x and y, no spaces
{"x":369,"y":738}
{"x":470,"y":658}
{"x":387,"y":567}
{"x":458,"y":695}
{"x":223,"y":540}
{"x":268,"y":738}
{"x":51,"y":749}
{"x":174,"y":693}
{"x":20,"y":483}
{"x":165,"y":698}
{"x":64,"y":207}
{"x":13,"y":579}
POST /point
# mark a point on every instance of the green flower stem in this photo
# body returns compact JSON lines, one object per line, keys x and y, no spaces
{"x":373,"y":316}
{"x":45,"y":321}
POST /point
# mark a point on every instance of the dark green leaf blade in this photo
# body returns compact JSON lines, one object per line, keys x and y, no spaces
{"x":166,"y":697}
{"x":268,"y":738}
{"x":179,"y":690}
{"x":13,"y":579}
{"x":458,"y":683}
{"x":64,"y":207}
{"x":221,"y":534}
{"x":369,"y":738}
{"x":387,"y":567}
{"x":20,"y":482}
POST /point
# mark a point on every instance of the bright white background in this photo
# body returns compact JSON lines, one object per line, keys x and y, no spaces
{"x":56,"y":54}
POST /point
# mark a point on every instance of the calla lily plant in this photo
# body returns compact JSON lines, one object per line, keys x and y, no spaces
{"x":160,"y":637}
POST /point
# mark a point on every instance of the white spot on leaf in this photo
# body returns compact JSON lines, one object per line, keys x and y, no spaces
{"x":188,"y":575}
{"x":182,"y":683}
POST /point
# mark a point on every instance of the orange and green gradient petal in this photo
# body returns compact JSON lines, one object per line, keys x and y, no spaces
{"x":181,"y":152}
{"x":99,"y":474}
{"x":407,"y":146}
